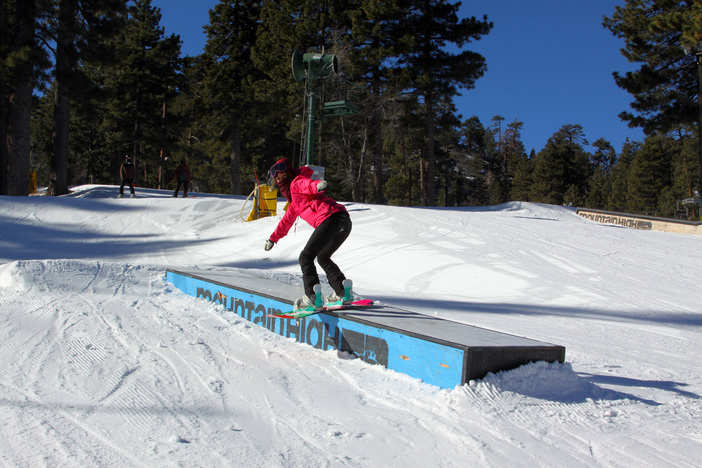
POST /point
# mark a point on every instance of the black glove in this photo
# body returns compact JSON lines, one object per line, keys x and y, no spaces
{"x":269,"y":245}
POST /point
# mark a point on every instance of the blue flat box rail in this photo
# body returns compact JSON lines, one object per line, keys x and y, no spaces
{"x":439,"y":352}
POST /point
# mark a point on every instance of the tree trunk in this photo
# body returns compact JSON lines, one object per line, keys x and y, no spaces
{"x":18,"y":139}
{"x":429,"y":197}
{"x":699,"y":123}
{"x":235,"y":163}
{"x":354,"y":164}
{"x":58,"y":176}
{"x":20,"y":105}
{"x":4,"y":160}
{"x":377,"y":130}
{"x":162,"y":152}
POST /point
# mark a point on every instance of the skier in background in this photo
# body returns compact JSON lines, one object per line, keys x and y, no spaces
{"x":182,"y":177}
{"x":332,"y":226}
{"x":126,"y":173}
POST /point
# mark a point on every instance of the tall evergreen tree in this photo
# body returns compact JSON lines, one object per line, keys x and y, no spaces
{"x":373,"y":45}
{"x":600,"y":185}
{"x":650,"y":174}
{"x":192,"y":136}
{"x":517,"y":170}
{"x":561,"y":167}
{"x":619,"y":176}
{"x":66,"y":60}
{"x":80,"y":32}
{"x":21,"y":60}
{"x":473,"y":137}
{"x":141,"y":83}
{"x":685,"y":169}
{"x":513,"y":150}
{"x":434,"y":71}
{"x":309,"y":26}
{"x":403,"y":137}
{"x":665,"y":87}
{"x":287,"y":26}
{"x":686,"y":166}
{"x":5,"y":50}
{"x":448,"y":153}
{"x":660,"y":34}
{"x":521,"y":184}
{"x":278,"y":95}
{"x":495,"y":161}
{"x":231,"y":74}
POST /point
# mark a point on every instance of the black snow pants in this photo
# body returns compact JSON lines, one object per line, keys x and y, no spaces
{"x":324,"y":241}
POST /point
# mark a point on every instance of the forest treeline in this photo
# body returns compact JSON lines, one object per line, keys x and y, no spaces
{"x":86,"y":82}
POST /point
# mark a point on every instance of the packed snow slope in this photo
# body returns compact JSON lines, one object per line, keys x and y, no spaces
{"x":104,"y":363}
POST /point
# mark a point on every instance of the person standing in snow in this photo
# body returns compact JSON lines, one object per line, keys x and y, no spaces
{"x":182,"y":177}
{"x":331,"y":223}
{"x":126,"y":173}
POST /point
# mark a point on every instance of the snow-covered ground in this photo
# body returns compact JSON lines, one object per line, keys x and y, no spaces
{"x":104,"y":363}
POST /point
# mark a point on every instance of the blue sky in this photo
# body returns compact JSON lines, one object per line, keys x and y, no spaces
{"x":550,"y":64}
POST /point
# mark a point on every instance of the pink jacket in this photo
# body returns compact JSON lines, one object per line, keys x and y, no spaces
{"x":307,"y":203}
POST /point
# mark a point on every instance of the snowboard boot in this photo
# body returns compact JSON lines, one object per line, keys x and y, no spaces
{"x":308,"y":303}
{"x":344,"y":299}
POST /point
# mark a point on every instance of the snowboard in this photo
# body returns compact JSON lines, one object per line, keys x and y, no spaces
{"x":359,"y":304}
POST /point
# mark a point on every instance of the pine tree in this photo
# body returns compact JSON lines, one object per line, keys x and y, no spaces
{"x":650,"y":173}
{"x":286,"y":26}
{"x":685,"y":169}
{"x":664,"y":87}
{"x":230,"y":75}
{"x":619,"y":176}
{"x":664,"y":36}
{"x":80,"y":31}
{"x":277,"y":94}
{"x":448,"y":153}
{"x":496,"y":162}
{"x":521,"y":184}
{"x":310,"y":26}
{"x":473,"y":168}
{"x":372,"y":44}
{"x":600,"y":184}
{"x":141,"y":83}
{"x":66,"y":59}
{"x":473,"y":135}
{"x":403,"y":137}
{"x":561,"y":167}
{"x":514,"y":154}
{"x":435,"y":72}
{"x":5,"y":86}
{"x":22,"y":61}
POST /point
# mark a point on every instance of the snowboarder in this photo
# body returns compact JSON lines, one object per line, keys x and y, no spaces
{"x":332,"y":226}
{"x":182,"y":177}
{"x":126,"y":173}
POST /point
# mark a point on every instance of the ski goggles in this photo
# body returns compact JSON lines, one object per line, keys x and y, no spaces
{"x":276,"y":168}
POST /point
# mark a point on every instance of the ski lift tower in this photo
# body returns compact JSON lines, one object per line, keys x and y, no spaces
{"x":338,"y":98}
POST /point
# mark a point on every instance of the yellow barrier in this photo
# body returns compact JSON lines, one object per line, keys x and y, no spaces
{"x":265,"y":202}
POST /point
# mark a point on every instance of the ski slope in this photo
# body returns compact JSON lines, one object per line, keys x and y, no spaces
{"x":104,"y":363}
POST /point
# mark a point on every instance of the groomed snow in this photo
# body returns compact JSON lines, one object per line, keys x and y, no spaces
{"x":104,"y":363}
